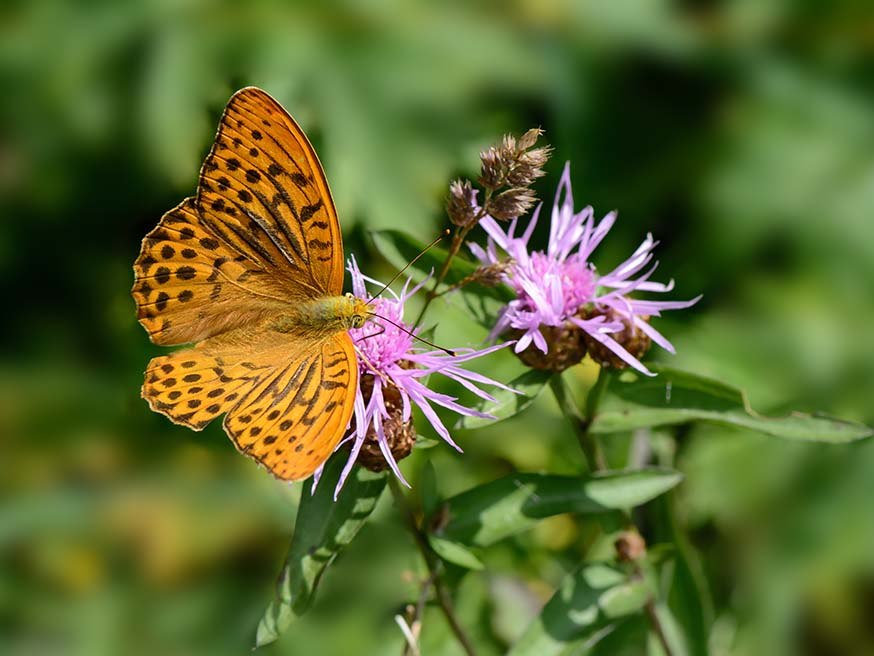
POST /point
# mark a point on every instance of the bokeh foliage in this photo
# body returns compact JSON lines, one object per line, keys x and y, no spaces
{"x":738,"y":132}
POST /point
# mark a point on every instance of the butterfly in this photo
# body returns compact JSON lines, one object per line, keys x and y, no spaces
{"x":250,"y":270}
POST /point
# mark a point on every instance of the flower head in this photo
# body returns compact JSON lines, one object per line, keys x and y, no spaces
{"x":392,"y":370}
{"x":563,"y":302}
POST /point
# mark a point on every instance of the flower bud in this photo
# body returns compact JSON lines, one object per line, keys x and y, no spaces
{"x":461,"y":205}
{"x":491,"y":275}
{"x":512,"y":162}
{"x":630,"y":546}
{"x":509,"y":204}
{"x":528,"y":167}
{"x":493,"y":169}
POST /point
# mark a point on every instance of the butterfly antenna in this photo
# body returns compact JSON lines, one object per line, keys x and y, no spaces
{"x":408,"y":265}
{"x":413,"y":335}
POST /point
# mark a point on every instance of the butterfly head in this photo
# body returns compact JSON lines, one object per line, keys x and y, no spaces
{"x":356,"y":311}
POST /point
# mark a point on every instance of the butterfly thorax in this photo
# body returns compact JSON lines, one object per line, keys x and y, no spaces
{"x":322,"y":316}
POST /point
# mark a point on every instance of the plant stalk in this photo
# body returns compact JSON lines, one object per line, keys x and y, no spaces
{"x":589,"y":444}
{"x":594,"y":455}
{"x":434,"y":566}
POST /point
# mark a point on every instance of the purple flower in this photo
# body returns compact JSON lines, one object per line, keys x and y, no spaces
{"x":391,"y":372}
{"x":561,"y":288}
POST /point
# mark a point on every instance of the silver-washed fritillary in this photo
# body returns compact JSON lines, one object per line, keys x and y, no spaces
{"x":251,"y":271}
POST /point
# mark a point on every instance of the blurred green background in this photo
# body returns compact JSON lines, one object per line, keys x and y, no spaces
{"x":741,"y":133}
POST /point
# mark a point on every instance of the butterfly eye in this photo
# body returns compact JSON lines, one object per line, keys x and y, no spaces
{"x":357,"y":321}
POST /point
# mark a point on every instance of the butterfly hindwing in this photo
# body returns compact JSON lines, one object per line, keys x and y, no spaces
{"x":287,"y":400}
{"x":292,"y":420}
{"x":191,"y":387}
{"x":262,"y":188}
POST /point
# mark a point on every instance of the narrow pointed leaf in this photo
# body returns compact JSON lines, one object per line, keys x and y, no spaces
{"x":510,"y":505}
{"x":675,"y":397}
{"x":454,"y":553}
{"x":323,"y":528}
{"x":428,"y":488}
{"x":587,"y":603}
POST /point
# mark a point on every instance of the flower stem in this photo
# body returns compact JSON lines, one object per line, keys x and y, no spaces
{"x":653,"y":616}
{"x":580,"y":424}
{"x":434,"y":566}
{"x":594,"y":454}
{"x":596,"y":395}
{"x":457,"y":240}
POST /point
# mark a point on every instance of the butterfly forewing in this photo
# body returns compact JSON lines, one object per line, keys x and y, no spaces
{"x":263,"y":188}
{"x":191,"y":285}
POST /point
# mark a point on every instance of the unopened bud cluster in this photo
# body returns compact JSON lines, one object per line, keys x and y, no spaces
{"x":488,"y":275}
{"x":506,"y":174}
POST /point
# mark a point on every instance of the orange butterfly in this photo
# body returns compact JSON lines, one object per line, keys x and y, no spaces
{"x":251,"y":269}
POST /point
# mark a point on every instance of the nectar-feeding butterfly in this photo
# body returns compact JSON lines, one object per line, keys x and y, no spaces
{"x":250,"y":270}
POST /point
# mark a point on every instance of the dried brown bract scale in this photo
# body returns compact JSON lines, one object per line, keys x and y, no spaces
{"x":566,"y":347}
{"x":400,"y":434}
{"x":631,"y":338}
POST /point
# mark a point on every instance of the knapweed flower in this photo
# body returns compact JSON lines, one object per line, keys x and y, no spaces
{"x":392,"y":369}
{"x":563,"y":306}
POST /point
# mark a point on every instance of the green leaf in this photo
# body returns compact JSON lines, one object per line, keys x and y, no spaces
{"x":675,"y":397}
{"x":683,"y":587}
{"x":323,"y":528}
{"x":455,"y":553}
{"x":491,"y":512}
{"x":508,"y":404}
{"x":591,"y":599}
{"x":423,"y":442}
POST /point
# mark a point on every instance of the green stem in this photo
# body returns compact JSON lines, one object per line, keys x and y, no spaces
{"x":595,"y":456}
{"x":588,"y":442}
{"x":458,"y":238}
{"x":433,"y":563}
{"x":596,"y":395}
{"x":454,"y":247}
{"x":653,"y":617}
